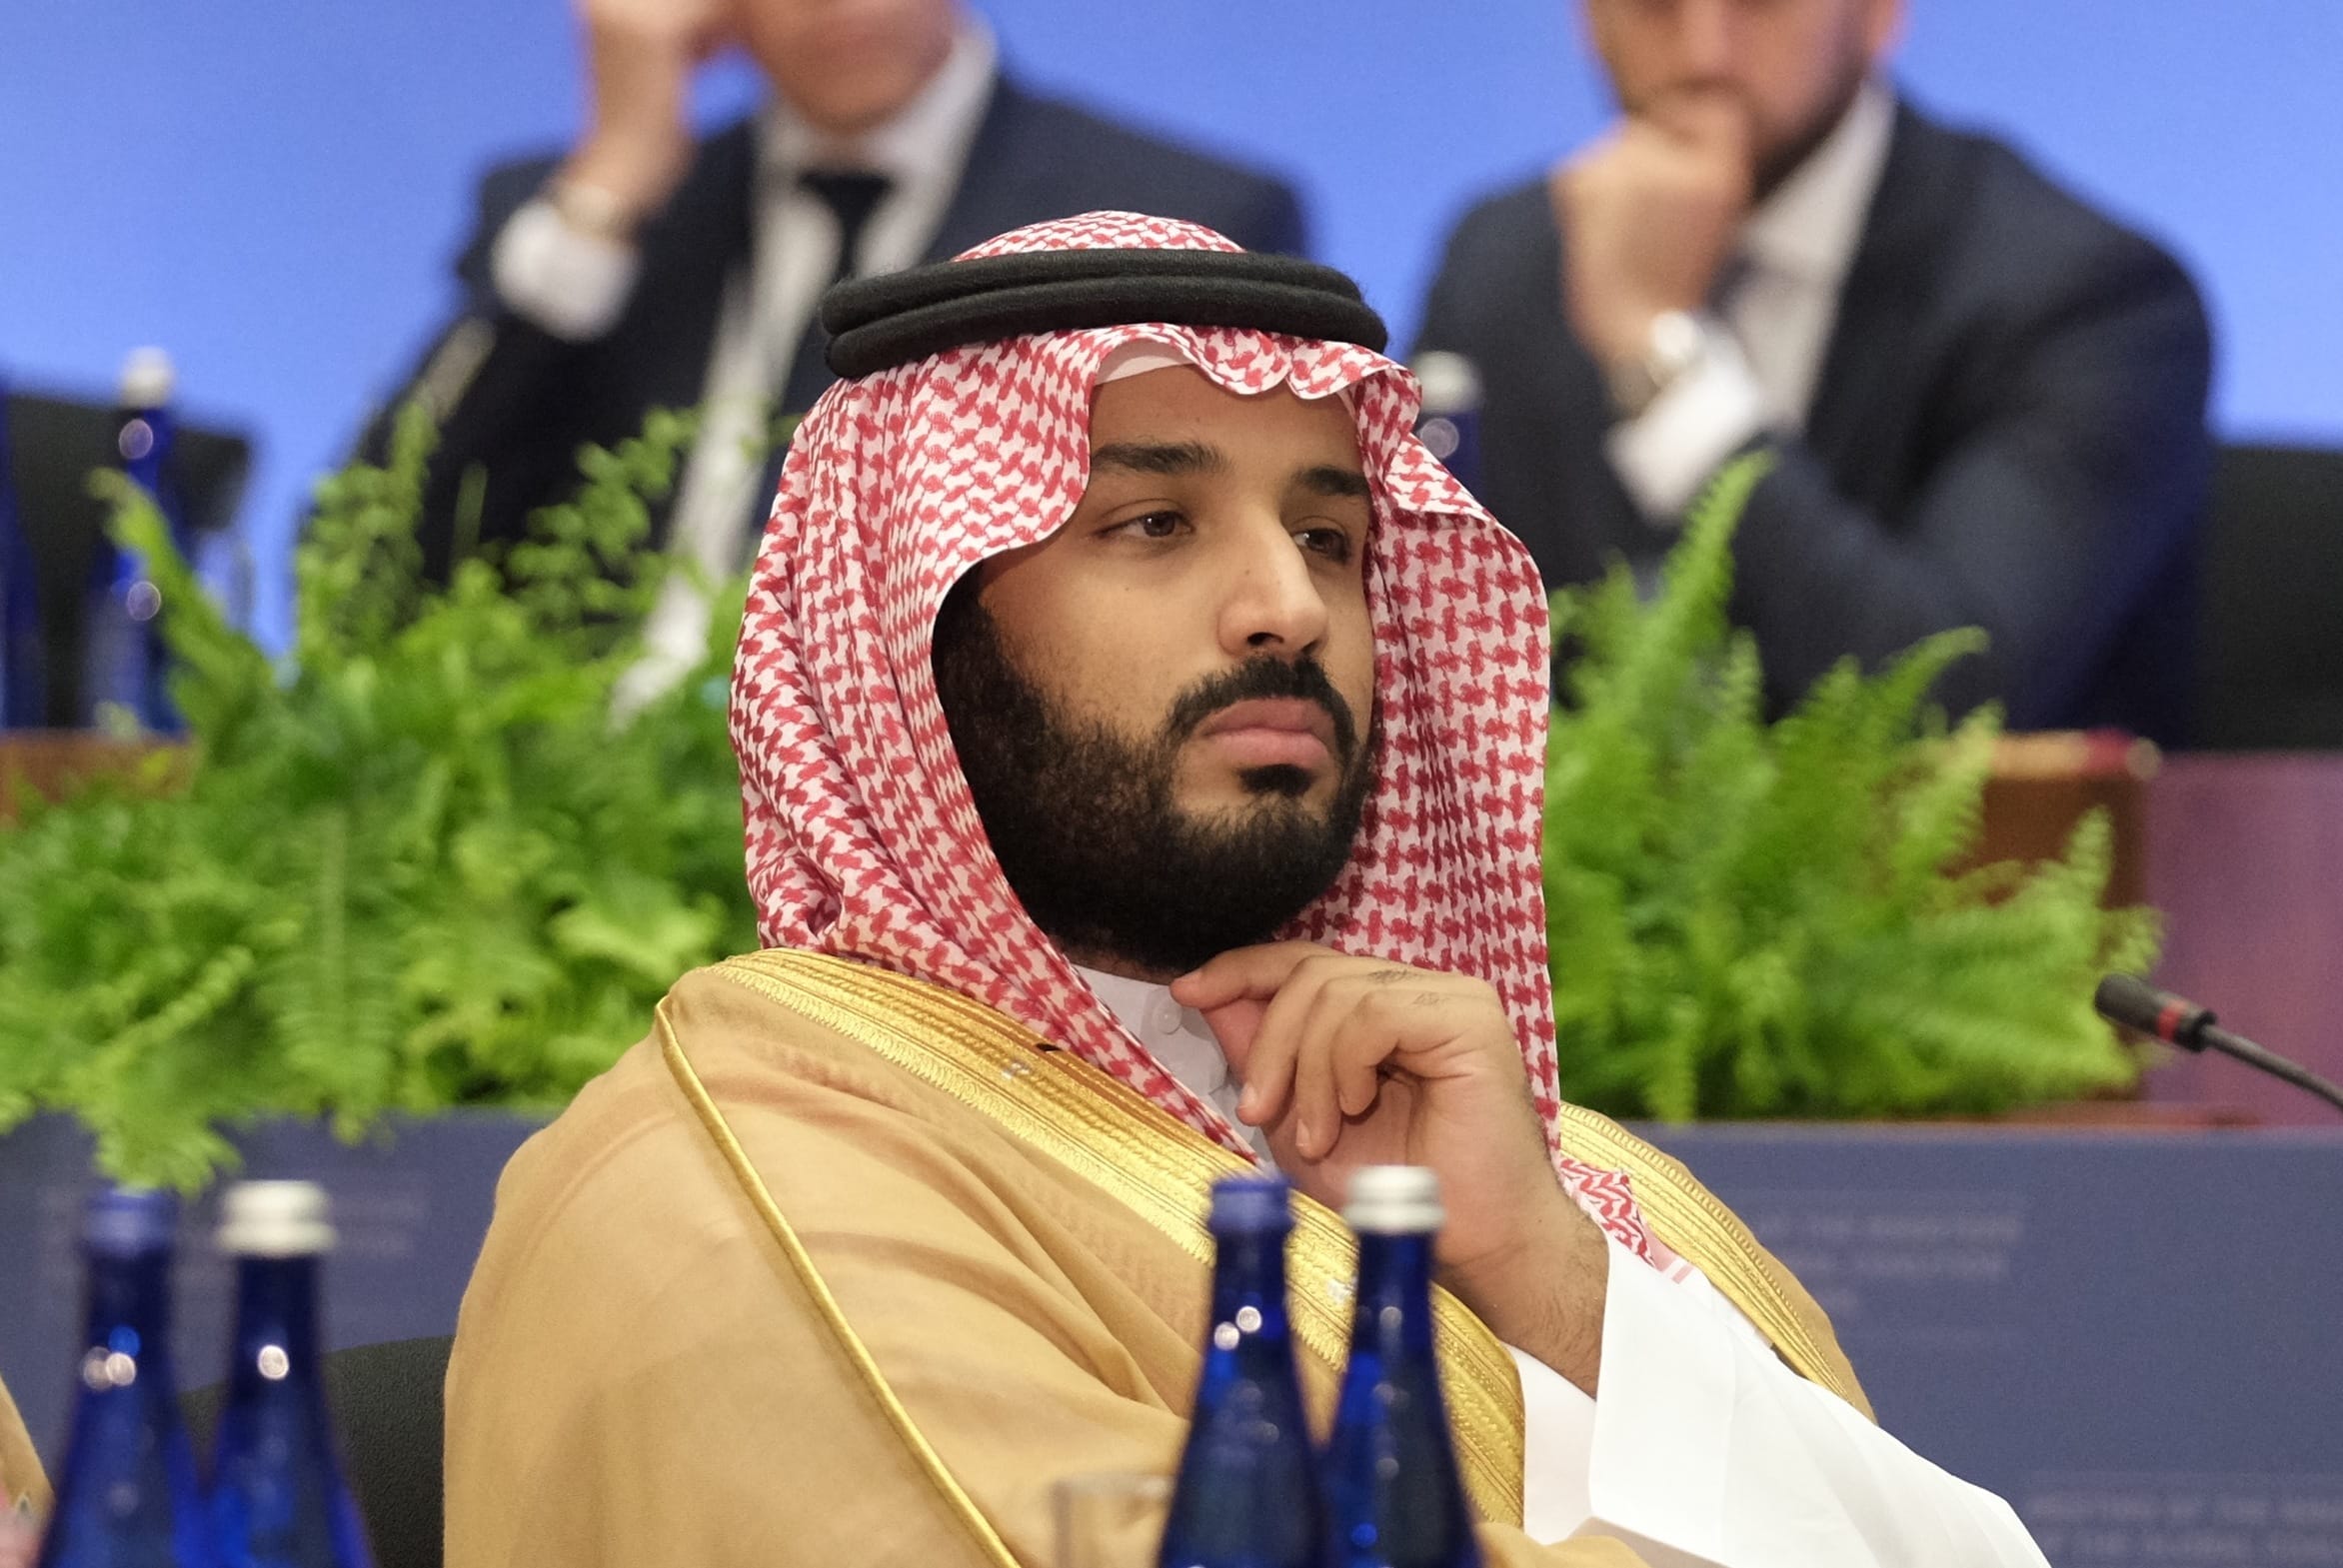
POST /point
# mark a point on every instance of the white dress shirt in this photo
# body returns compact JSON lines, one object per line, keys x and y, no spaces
{"x":1705,"y":1449}
{"x":575,"y":284}
{"x":1777,"y":316}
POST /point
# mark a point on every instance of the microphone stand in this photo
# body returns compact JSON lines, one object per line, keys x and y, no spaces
{"x":2132,"y":1003}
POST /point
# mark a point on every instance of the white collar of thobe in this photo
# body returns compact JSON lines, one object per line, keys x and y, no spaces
{"x":1174,"y":1036}
{"x":1181,"y":1040}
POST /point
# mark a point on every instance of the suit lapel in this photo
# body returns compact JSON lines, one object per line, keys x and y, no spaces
{"x":1882,"y":305}
{"x":703,"y":237}
{"x":989,"y":199}
{"x":1561,"y":377}
{"x":659,"y":357}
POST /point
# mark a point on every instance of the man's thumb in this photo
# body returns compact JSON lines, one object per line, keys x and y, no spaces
{"x":1233,"y":1025}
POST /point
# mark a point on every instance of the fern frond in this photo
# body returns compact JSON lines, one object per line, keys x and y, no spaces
{"x":425,"y":869}
{"x":1748,"y":918}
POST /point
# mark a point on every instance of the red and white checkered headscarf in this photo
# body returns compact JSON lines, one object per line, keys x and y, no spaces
{"x":863,"y":838}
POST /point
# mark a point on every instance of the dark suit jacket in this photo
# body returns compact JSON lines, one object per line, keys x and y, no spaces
{"x":519,"y":401}
{"x":2008,"y":431}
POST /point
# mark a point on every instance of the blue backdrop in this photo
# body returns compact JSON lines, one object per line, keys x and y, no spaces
{"x":272,"y":189}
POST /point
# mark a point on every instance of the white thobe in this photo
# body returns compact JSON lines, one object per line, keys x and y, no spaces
{"x":1706,"y":1450}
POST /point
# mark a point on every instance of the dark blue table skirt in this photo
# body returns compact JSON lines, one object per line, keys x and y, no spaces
{"x":2137,"y":1338}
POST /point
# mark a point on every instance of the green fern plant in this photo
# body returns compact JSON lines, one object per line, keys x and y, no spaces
{"x":1754,"y":920}
{"x":421,"y":867}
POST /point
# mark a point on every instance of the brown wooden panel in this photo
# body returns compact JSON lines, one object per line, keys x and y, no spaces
{"x":46,"y":763}
{"x":2042,"y":785}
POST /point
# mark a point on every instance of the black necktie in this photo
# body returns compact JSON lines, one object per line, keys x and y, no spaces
{"x":851,"y":198}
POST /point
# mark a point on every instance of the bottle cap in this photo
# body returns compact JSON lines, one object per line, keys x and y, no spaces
{"x":1450,"y":381}
{"x":148,"y":379}
{"x":125,"y":1221}
{"x":1252,"y":1205}
{"x":275,"y":1219}
{"x":1394,"y":1201}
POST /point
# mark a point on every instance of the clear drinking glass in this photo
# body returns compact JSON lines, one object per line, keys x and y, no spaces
{"x":1112,"y":1519}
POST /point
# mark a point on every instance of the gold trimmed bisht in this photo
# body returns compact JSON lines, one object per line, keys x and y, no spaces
{"x":22,"y":1485}
{"x":1162,"y":1170}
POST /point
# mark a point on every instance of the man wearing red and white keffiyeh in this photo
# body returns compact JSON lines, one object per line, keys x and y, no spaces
{"x":1141,"y":740}
{"x":1224,"y":654}
{"x":1155,"y":686}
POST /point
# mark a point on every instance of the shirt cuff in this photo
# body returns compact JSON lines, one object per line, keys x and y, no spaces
{"x":1557,"y":1450}
{"x":571,"y":284}
{"x":1710,"y":1453}
{"x":1665,"y":454}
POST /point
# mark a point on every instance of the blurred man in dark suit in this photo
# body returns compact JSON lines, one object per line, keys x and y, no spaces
{"x":649,"y":268}
{"x":1984,"y":400}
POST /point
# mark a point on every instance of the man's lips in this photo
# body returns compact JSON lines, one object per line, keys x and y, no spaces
{"x":1267,"y":732}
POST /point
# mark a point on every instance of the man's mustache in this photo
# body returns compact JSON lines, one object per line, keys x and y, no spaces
{"x":1258,"y":679}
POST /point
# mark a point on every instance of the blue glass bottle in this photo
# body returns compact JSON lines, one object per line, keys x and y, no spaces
{"x":1248,"y":1490}
{"x":123,"y":663}
{"x":24,"y":689}
{"x":1394,"y":1491}
{"x":127,"y":1496}
{"x":1450,"y":422}
{"x":278,"y":1497}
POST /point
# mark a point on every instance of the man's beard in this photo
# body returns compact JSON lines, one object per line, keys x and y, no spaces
{"x":1084,"y":821}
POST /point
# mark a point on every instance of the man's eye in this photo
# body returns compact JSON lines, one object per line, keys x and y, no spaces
{"x":1155,"y":524}
{"x":1331,"y":543}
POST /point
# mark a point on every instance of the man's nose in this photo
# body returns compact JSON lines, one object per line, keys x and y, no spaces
{"x":1707,"y":32}
{"x":1274,"y":604}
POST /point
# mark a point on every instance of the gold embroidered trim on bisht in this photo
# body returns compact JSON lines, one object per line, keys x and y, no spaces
{"x":1159,"y":1167}
{"x":23,"y":1487}
{"x":1700,"y":1228}
{"x":988,"y":1540}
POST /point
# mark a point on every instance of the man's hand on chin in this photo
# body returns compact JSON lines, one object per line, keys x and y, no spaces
{"x":1351,"y":1062}
{"x":1649,"y":213}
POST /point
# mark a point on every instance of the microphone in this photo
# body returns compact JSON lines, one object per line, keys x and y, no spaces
{"x":2132,"y":1003}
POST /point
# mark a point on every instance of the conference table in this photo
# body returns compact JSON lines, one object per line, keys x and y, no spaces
{"x":2126,"y":1318}
{"x":2131,"y":1333}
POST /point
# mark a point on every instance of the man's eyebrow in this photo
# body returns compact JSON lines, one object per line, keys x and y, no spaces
{"x":1328,"y":479}
{"x":1159,"y":457}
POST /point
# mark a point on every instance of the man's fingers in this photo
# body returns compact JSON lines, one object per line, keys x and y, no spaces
{"x":1259,"y":972}
{"x":1267,"y":1066}
{"x":1353,"y":1035}
{"x":1358,"y":1055}
{"x":1236,"y":1024}
{"x":1312,"y":1053}
{"x":1318,"y":1108}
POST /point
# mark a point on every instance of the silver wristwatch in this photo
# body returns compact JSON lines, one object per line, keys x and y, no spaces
{"x":1677,"y":341}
